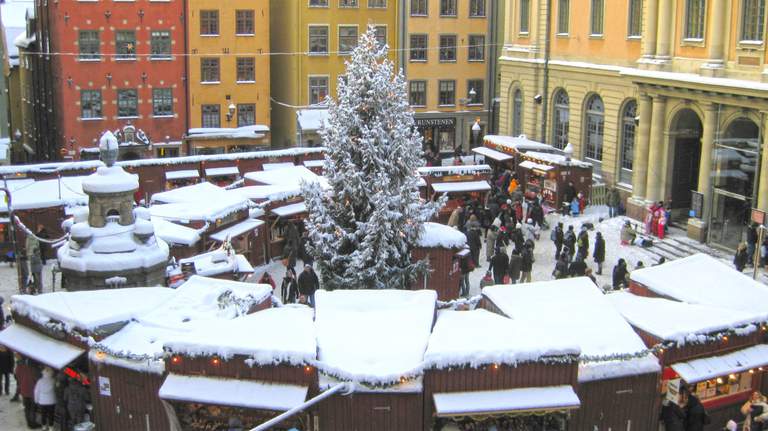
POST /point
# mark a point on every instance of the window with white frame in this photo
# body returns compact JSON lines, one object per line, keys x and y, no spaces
{"x":211,"y":116}
{"x":318,"y":3}
{"x":162,"y":102}
{"x":476,"y":48}
{"x":246,"y":69}
{"x":563,"y":16}
{"x":244,"y":22}
{"x":127,"y":103}
{"x":377,"y":4}
{"x":90,"y":104}
{"x":525,"y":16}
{"x":347,"y":39}
{"x":596,"y":18}
{"x":347,"y":3}
{"x":447,"y":7}
{"x":125,"y":44}
{"x":752,"y":20}
{"x":635,"y":19}
{"x":318,"y":89}
{"x":209,"y":22}
{"x":594,"y":130}
{"x":447,"y":47}
{"x":475,"y":92}
{"x":418,"y":47}
{"x":447,"y":93}
{"x":417,"y":93}
{"x":318,"y":39}
{"x":517,"y":113}
{"x":246,"y":114}
{"x":89,"y":44}
{"x":381,"y":34}
{"x":419,"y":7}
{"x":628,"y":127}
{"x":695,"y":13}
{"x":476,"y":8}
{"x":560,"y":119}
{"x":160,"y":44}
{"x":209,"y":69}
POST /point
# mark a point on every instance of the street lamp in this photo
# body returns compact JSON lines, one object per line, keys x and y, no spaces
{"x":231,"y":111}
{"x":475,"y":132}
{"x":472,"y":94}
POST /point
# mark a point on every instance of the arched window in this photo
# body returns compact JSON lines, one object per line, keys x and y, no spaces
{"x":560,"y":120}
{"x":627,"y":142}
{"x":593,"y":140}
{"x":517,"y":113}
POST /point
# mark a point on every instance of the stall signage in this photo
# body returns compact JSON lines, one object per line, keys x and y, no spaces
{"x":758,"y":216}
{"x":69,"y":372}
{"x":455,"y":178}
{"x":673,"y":390}
{"x":105,"y":388}
{"x":435,"y":122}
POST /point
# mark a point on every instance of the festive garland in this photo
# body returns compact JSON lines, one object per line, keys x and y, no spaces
{"x":27,"y":231}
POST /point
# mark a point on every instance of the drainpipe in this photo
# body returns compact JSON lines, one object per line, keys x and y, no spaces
{"x":545,"y":96}
{"x":345,"y":388}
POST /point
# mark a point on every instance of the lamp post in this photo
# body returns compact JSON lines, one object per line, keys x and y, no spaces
{"x":231,"y":112}
{"x":475,"y":132}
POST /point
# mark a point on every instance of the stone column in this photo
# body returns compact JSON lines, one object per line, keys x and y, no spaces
{"x":665,"y":26}
{"x":718,"y":27}
{"x":762,"y":196}
{"x":643,"y":136}
{"x":655,"y":157}
{"x":650,"y":17}
{"x":705,"y":165}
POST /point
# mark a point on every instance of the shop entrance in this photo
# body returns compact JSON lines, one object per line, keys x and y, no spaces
{"x":686,"y":136}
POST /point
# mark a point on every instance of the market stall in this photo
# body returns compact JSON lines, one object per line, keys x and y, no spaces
{"x":222,"y":176}
{"x":443,"y":247}
{"x":458,"y":194}
{"x":549,"y":175}
{"x":496,"y":146}
{"x":279,"y":215}
{"x":248,"y":238}
{"x":181,"y":178}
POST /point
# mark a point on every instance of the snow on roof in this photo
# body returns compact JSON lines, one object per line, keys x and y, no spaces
{"x":557,"y":159}
{"x":110,"y":180}
{"x":533,"y":165}
{"x":289,"y":210}
{"x":50,"y":167}
{"x":288,"y":176}
{"x":223,"y":171}
{"x":710,"y":367}
{"x":438,"y":235}
{"x":271,"y":193}
{"x":577,"y":310}
{"x":90,"y":309}
{"x":455,"y":170}
{"x":461,"y":186}
{"x":29,"y":194}
{"x":487,"y":338}
{"x":678,"y":321}
{"x":236,"y":230}
{"x":199,"y":192}
{"x":702,"y":279}
{"x":519,"y":143}
{"x":54,"y":353}
{"x":182,"y":174}
{"x":373,"y":336}
{"x":255,"y":131}
{"x":492,"y":154}
{"x":547,"y":398}
{"x":233,"y":392}
{"x":217,"y":262}
{"x":136,"y":339}
{"x":285,"y":335}
{"x":175,"y":233}
{"x":273,"y":166}
{"x":314,"y":163}
{"x":206,"y":207}
{"x":312,"y":119}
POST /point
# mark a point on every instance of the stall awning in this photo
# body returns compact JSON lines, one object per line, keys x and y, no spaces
{"x":506,"y":402}
{"x":492,"y":154}
{"x":221,"y":172}
{"x":290,"y":210}
{"x":464,"y":186}
{"x":273,"y":166}
{"x":314,"y":163}
{"x":232,"y":392}
{"x":702,"y":369}
{"x":236,"y":230}
{"x":54,"y":353}
{"x":181,"y":175}
{"x":533,"y":165}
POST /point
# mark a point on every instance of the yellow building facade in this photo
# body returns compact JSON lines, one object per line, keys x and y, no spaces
{"x":310,"y":39}
{"x":229,"y":73}
{"x":667,"y":98}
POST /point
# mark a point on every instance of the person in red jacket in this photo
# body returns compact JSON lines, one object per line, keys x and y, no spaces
{"x":26,"y":375}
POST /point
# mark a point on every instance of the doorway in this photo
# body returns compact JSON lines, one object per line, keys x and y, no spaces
{"x":686,"y":138}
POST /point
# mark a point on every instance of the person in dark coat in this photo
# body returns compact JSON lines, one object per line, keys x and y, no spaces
{"x":620,"y":273}
{"x":557,"y":236}
{"x":561,"y":267}
{"x":475,"y":242}
{"x":6,"y":369}
{"x":583,"y":242}
{"x":289,"y":287}
{"x":536,"y":213}
{"x":499,"y":266}
{"x":267,"y":279}
{"x":517,"y":236}
{"x":599,"y":252}
{"x":740,"y":258}
{"x":569,"y":192}
{"x":515,"y":266}
{"x":569,"y":242}
{"x":26,"y":375}
{"x":672,"y":416}
{"x":751,"y":242}
{"x":695,"y":414}
{"x":526,"y":266}
{"x":308,"y":284}
{"x":578,"y":267}
{"x":76,"y":398}
{"x":304,"y":253}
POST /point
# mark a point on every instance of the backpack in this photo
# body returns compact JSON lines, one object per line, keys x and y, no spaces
{"x":553,"y":235}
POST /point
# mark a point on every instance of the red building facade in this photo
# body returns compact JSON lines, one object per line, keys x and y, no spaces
{"x":116,"y":64}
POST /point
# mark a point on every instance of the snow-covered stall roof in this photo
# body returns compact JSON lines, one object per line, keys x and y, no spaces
{"x":702,"y":369}
{"x":90,"y":309}
{"x":454,"y":170}
{"x":206,"y":207}
{"x":438,"y":235}
{"x":110,"y":180}
{"x":548,"y":398}
{"x":373,"y":336}
{"x":66,"y":191}
{"x":314,"y":163}
{"x":527,"y":164}
{"x":236,"y":230}
{"x":578,"y":311}
{"x":461,"y":186}
{"x":200,"y":192}
{"x":54,"y":353}
{"x":288,"y":176}
{"x":678,"y":321}
{"x":312,"y":119}
{"x":702,"y":279}
{"x":285,"y":335}
{"x":289,"y":210}
{"x":175,"y":233}
{"x":519,"y":143}
{"x":50,"y":168}
{"x":254,"y":132}
{"x":182,"y":174}
{"x":492,"y":154}
{"x":487,"y":338}
{"x":279,"y":165}
{"x":223,"y":171}
{"x":271,"y":193}
{"x":233,"y":392}
{"x":557,"y":159}
{"x":144,"y":343}
{"x":218,"y":262}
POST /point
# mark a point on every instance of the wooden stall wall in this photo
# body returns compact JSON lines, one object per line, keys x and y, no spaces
{"x":375,"y":411}
{"x":444,"y":276}
{"x":693,"y":351}
{"x":132,"y":401}
{"x":628,"y":403}
{"x":236,"y":368}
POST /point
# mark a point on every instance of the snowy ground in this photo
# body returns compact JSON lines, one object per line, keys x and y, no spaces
{"x":676,"y":245}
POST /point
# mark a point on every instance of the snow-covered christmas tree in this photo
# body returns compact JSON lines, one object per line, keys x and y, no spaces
{"x":363,"y":228}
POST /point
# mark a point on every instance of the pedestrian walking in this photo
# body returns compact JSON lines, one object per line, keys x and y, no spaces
{"x":308,"y":285}
{"x":515,"y":266}
{"x":582,"y":242}
{"x":45,"y":398}
{"x":6,"y":369}
{"x":561,"y":267}
{"x":599,"y":252}
{"x":740,"y":258}
{"x":620,"y":273}
{"x":289,"y":287}
{"x":499,"y":266}
{"x":569,"y":242}
{"x":26,"y":376}
{"x":614,"y":201}
{"x":672,"y":415}
{"x":490,"y":240}
{"x":695,"y":415}
{"x":526,"y":266}
{"x":76,"y":400}
{"x":557,"y":237}
{"x":32,"y":247}
{"x":751,"y":242}
{"x":474,"y":240}
{"x":454,"y":220}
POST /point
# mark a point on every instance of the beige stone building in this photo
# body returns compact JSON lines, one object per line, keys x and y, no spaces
{"x":666,"y":97}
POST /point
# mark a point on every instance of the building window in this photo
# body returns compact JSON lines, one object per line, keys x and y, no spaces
{"x":635,"y":24}
{"x":89,"y":44}
{"x":627,"y":142}
{"x":596,"y":20}
{"x":244,"y":22}
{"x":694,"y":19}
{"x":560,"y":120}
{"x":447,"y":7}
{"x":525,"y":15}
{"x":419,"y":7}
{"x":563,"y":14}
{"x":209,"y":23}
{"x":90,"y":104}
{"x":318,"y":39}
{"x":377,"y":4}
{"x":211,"y":116}
{"x":318,"y":89}
{"x":593,"y":148}
{"x":476,"y":8}
{"x":418,"y":47}
{"x":347,"y":39}
{"x":318,"y":3}
{"x":447,"y":48}
{"x":209,"y":69}
{"x":160,"y":44}
{"x":125,"y":44}
{"x":476,"y":47}
{"x":475,"y":86}
{"x":417,"y":93}
{"x":246,"y":114}
{"x":162,"y":101}
{"x":246,"y":69}
{"x":347,"y":3}
{"x":127,"y":103}
{"x":381,"y":34}
{"x":447,"y":93}
{"x":752,"y":20}
{"x":517,"y":113}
